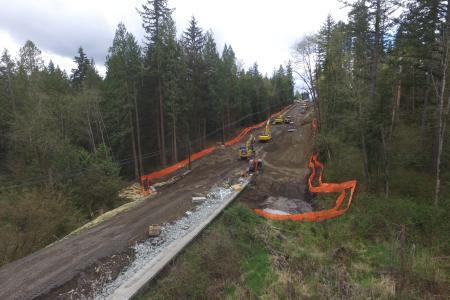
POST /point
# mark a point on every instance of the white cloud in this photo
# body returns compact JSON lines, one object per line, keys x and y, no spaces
{"x":261,"y":31}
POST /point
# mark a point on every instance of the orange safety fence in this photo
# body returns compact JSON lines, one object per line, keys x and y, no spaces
{"x":146,"y":179}
{"x":341,"y":188}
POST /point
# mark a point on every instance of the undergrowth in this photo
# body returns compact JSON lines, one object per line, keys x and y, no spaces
{"x":356,"y":256}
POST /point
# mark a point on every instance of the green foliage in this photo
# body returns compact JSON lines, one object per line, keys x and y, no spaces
{"x":97,"y":168}
{"x":352,"y":257}
{"x":31,"y":219}
{"x":257,"y":273}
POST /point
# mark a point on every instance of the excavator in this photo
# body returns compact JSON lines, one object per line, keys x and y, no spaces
{"x":248,"y":150}
{"x":265,"y":136}
{"x":279,"y":119}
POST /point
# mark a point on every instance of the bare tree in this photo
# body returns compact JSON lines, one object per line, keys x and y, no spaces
{"x":305,"y":61}
{"x":442,"y":109}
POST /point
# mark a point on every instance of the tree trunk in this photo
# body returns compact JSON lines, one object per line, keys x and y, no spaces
{"x":158,"y":135}
{"x":363,"y":145}
{"x":11,"y":94}
{"x":376,"y":50}
{"x":365,"y":158}
{"x":396,"y":104}
{"x":161,"y":125}
{"x":133,"y":146}
{"x":91,"y":133}
{"x":174,"y":139}
{"x":204,"y":133}
{"x":138,"y":132}
{"x":99,"y":125}
{"x":442,"y":115}
{"x":413,"y":94}
{"x":223,"y":127}
{"x":385,"y":164}
{"x":424,"y":111}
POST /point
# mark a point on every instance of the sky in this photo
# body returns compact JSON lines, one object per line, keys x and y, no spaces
{"x":258,"y":30}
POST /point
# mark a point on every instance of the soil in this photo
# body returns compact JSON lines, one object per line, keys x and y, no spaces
{"x":80,"y":260}
{"x":282,"y":186}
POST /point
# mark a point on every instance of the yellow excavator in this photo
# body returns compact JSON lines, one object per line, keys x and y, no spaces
{"x":279,"y":119}
{"x":265,"y":136}
{"x":248,"y":150}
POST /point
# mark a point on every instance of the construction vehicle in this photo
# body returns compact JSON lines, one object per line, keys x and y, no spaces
{"x":265,"y":136}
{"x":255,"y":166}
{"x":248,"y":150}
{"x":279,"y":119}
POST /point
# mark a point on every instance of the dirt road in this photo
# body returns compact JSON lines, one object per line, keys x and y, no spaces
{"x":45,"y":270}
{"x":283,"y":184}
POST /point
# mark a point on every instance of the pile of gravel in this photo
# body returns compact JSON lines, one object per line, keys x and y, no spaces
{"x":171,"y":232}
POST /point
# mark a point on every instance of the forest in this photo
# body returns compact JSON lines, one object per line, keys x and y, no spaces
{"x":70,"y":142}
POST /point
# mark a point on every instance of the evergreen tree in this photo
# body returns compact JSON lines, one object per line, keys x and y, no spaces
{"x":122,"y":81}
{"x":193,"y":42}
{"x":156,"y":16}
{"x":83,"y":65}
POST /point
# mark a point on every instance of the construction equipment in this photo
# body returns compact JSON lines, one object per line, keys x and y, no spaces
{"x":265,"y":136}
{"x":248,"y":150}
{"x":255,"y":166}
{"x":279,"y":119}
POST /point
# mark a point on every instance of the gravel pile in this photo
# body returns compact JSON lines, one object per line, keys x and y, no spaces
{"x":171,"y":232}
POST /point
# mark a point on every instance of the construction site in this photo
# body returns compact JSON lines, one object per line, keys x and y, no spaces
{"x":91,"y":262}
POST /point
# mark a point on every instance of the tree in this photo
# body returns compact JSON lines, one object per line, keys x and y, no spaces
{"x":122,"y":80}
{"x":442,"y":109}
{"x":193,"y":42}
{"x":7,"y":72}
{"x":83,"y":65}
{"x":155,"y":16}
{"x":305,"y":62}
{"x":30,"y":58}
{"x":228,"y":78}
{"x":213,"y":84}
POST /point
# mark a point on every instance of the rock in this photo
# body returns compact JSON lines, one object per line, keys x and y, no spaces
{"x":236,"y":187}
{"x":154,"y":230}
{"x":198,"y":199}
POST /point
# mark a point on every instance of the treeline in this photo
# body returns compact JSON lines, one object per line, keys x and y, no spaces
{"x":68,"y":142}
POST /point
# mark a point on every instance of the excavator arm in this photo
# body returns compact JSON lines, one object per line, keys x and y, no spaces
{"x":265,"y":135}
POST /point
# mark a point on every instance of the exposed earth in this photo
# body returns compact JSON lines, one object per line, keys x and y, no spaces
{"x":68,"y":268}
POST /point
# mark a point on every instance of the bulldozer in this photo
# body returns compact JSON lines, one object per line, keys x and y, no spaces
{"x":265,"y":136}
{"x":248,"y":150}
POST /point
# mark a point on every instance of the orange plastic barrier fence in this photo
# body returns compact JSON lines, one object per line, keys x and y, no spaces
{"x":146,"y":179}
{"x":315,"y":216}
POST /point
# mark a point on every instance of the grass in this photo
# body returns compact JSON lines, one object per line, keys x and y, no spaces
{"x":356,"y":256}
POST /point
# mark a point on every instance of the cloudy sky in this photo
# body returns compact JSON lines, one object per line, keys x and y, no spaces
{"x":258,"y":30}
